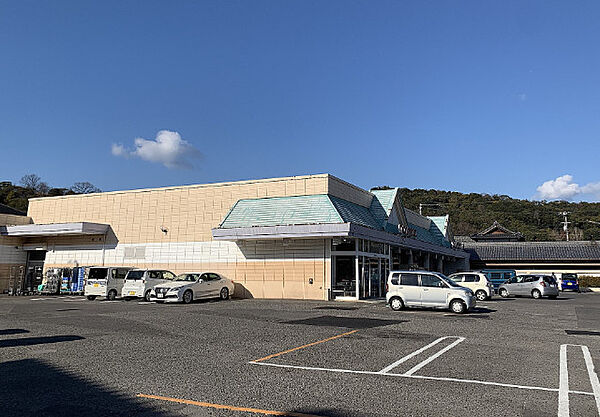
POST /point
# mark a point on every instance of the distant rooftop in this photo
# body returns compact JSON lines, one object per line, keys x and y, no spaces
{"x":534,"y":251}
{"x":4,"y":209}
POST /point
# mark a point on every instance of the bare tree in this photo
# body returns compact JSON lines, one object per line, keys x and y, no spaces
{"x":84,"y":188}
{"x":30,"y":181}
{"x":35,"y":183}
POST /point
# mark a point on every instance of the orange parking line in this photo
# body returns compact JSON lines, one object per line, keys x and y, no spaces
{"x":304,"y":346}
{"x":227,"y":407}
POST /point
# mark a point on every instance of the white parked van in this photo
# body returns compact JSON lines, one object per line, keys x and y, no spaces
{"x":105,"y":281}
{"x":139,"y":282}
{"x":427,"y":289}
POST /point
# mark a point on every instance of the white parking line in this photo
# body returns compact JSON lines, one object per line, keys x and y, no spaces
{"x":413,"y":354}
{"x":430,"y":378}
{"x":592,"y":374}
{"x":563,"y":384}
{"x":563,"y":391}
{"x":433,"y":357}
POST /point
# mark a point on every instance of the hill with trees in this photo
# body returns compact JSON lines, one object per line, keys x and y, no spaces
{"x":536,"y":220}
{"x":31,"y":185}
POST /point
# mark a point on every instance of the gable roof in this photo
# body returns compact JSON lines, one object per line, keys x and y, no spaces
{"x":497,"y":227}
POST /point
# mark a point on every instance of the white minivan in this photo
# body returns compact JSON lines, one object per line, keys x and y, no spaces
{"x":104,"y":281}
{"x":139,"y":282}
{"x":427,"y":289}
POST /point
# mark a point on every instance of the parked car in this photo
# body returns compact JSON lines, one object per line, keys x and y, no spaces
{"x":475,"y":281}
{"x":427,"y":289}
{"x":569,"y":281}
{"x":499,"y":276}
{"x":139,"y":282}
{"x":192,"y":286}
{"x":105,"y":281}
{"x":536,"y":286}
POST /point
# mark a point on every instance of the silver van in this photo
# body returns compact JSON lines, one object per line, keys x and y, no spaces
{"x":105,"y":281}
{"x":536,"y":286}
{"x":139,"y":282}
{"x":427,"y":289}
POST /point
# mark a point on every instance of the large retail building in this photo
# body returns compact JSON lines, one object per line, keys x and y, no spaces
{"x":307,"y":237}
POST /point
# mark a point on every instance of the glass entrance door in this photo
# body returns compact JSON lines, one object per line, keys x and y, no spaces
{"x":371,"y":278}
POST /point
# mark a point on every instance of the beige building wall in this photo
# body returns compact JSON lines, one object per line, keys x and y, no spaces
{"x":266,"y":269}
{"x":11,"y":256}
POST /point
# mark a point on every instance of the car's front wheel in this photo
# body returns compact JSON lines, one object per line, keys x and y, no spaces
{"x":458,"y":307}
{"x":503,"y":293}
{"x":224,"y":294}
{"x":188,"y":297}
{"x":481,"y":295}
{"x":396,"y":304}
{"x":147,"y":296}
{"x":112,"y":294}
{"x":536,"y":294}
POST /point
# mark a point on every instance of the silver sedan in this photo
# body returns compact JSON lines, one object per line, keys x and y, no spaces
{"x":193,"y":286}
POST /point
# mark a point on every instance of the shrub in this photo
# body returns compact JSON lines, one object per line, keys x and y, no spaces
{"x":589,"y":281}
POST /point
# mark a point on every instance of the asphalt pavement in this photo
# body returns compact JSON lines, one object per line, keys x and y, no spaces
{"x":63,"y":356}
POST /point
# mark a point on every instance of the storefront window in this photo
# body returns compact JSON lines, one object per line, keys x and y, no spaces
{"x":343,"y":244}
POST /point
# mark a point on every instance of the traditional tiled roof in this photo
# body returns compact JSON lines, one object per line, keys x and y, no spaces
{"x":534,"y":251}
{"x":491,"y":233}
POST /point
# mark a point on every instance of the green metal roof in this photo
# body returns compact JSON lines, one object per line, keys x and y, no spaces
{"x":327,"y":209}
{"x":441,"y":223}
{"x":353,"y":213}
{"x":282,"y":211}
{"x":386,"y":198}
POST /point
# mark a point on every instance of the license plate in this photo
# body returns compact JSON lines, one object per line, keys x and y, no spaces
{"x":95,"y":285}
{"x":569,"y":283}
{"x":159,"y":295}
{"x":131,"y":292}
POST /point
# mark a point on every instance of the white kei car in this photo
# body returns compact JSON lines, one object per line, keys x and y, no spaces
{"x":476,"y":282}
{"x":193,"y":286}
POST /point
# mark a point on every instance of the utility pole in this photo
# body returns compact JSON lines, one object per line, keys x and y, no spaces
{"x":565,"y":223}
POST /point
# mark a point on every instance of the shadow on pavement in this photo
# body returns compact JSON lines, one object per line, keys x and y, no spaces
{"x":4,"y":332}
{"x":29,"y":341}
{"x":32,"y":387}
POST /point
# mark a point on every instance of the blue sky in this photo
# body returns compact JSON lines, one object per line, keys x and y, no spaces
{"x":474,"y":96}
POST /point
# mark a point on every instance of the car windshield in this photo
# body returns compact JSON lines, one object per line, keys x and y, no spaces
{"x":186,"y":277}
{"x":569,"y":276}
{"x":97,"y":273}
{"x":135,"y":274}
{"x":448,"y":280}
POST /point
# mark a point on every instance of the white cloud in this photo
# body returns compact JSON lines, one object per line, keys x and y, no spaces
{"x":118,"y":150}
{"x":563,"y":188}
{"x":168,"y":149}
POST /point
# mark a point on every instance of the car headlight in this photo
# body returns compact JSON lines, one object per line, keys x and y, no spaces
{"x":175,"y":289}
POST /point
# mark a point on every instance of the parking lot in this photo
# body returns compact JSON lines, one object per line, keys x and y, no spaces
{"x":510,"y":357}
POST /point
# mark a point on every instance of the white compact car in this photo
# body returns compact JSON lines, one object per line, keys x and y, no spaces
{"x":476,"y":282}
{"x":193,"y":286}
{"x":139,"y":282}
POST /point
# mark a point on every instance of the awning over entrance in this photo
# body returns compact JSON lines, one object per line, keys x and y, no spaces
{"x":330,"y":230}
{"x":55,"y":229}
